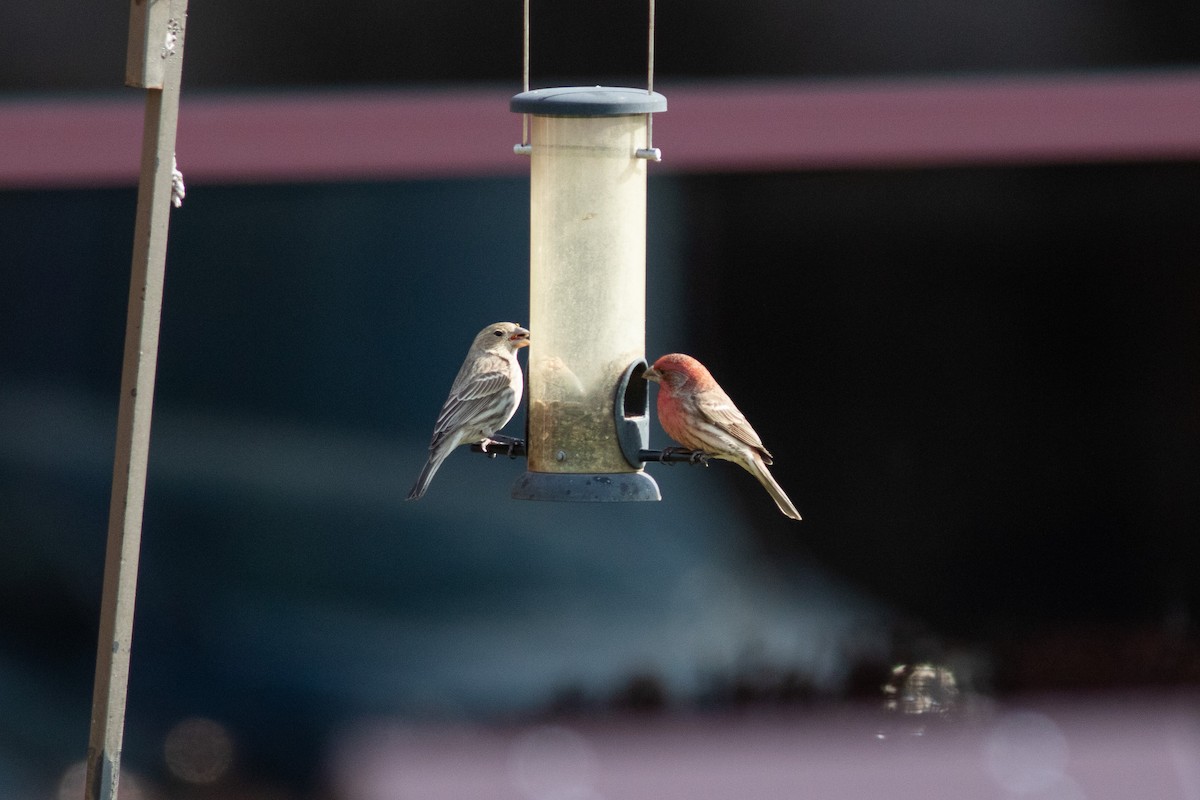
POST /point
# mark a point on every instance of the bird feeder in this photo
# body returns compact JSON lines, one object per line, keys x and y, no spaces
{"x":588,"y":413}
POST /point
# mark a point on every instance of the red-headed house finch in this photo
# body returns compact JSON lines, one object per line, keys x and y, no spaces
{"x":483,"y":398}
{"x":695,"y":411}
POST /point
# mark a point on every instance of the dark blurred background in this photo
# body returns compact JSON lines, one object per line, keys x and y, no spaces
{"x":50,"y":45}
{"x":981,"y":386}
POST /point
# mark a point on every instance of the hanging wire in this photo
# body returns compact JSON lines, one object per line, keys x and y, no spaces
{"x":525,"y":74}
{"x":649,"y":152}
{"x":524,"y":148}
{"x":650,"y":52}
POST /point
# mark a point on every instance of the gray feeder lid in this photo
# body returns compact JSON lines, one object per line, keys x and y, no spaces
{"x":588,"y":101}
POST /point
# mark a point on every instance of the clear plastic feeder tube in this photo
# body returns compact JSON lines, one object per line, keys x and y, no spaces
{"x":587,"y":309}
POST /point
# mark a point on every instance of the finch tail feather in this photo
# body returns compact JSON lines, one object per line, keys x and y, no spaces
{"x":431,"y":466}
{"x":759,"y":470}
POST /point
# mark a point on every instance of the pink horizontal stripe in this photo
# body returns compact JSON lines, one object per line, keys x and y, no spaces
{"x":935,"y":123}
{"x":714,"y":127}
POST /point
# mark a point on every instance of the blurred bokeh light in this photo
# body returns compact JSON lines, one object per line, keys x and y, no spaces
{"x":198,"y":750}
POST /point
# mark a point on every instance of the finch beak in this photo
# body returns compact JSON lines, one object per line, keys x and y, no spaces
{"x":520,"y":338}
{"x":651,"y":374}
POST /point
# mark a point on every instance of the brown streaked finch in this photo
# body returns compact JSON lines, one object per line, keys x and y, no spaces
{"x":483,"y":398}
{"x":695,"y":411}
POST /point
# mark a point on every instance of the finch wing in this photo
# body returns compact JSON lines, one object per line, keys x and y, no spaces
{"x":473,"y":395}
{"x":718,"y":409}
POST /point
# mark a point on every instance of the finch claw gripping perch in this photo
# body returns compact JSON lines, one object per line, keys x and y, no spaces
{"x":665,"y":455}
{"x":513,"y":446}
{"x":672,"y":455}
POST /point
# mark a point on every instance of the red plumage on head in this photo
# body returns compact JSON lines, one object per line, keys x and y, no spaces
{"x":697,"y":373}
{"x":684,"y":380}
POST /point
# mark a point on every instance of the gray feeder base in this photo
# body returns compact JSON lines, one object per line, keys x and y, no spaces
{"x":604,"y":487}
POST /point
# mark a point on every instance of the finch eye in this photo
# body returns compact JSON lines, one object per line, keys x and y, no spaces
{"x":497,"y":332}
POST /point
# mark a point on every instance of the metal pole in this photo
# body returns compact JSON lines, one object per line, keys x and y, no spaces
{"x":154,"y":62}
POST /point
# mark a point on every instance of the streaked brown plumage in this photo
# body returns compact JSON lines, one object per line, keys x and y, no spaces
{"x":483,"y":397}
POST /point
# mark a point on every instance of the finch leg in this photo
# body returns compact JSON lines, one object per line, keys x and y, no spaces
{"x":669,"y":455}
{"x":500,"y":438}
{"x":664,"y":455}
{"x":510,"y":443}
